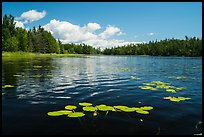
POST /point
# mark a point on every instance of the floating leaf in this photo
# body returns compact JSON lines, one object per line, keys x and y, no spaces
{"x":91,"y":109}
{"x":132,"y":77}
{"x":147,"y":88}
{"x":76,"y":114}
{"x":127,"y":109}
{"x":120,"y":107}
{"x":139,"y":102}
{"x":8,"y":86}
{"x":50,"y":75}
{"x":198,"y":134}
{"x":171,"y":90}
{"x":70,"y":107}
{"x":17,"y":75}
{"x":85,"y":104}
{"x":180,"y":88}
{"x":147,"y":108}
{"x":105,"y":108}
{"x":176,"y":99}
{"x":59,"y":113}
{"x":142,"y":111}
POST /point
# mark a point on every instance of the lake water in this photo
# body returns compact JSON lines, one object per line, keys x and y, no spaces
{"x":42,"y":85}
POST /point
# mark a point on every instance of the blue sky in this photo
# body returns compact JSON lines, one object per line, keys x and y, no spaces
{"x":120,"y":22}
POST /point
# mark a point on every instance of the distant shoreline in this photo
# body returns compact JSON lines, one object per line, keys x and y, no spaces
{"x":21,"y":54}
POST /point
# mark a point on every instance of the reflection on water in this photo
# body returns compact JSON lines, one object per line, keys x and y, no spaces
{"x":47,"y":84}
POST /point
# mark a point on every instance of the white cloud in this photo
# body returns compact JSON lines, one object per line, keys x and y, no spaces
{"x":110,"y":31}
{"x":31,"y":15}
{"x":92,"y":27}
{"x":19,"y":24}
{"x":151,"y":34}
{"x":70,"y":33}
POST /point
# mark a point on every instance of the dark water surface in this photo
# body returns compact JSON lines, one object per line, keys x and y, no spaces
{"x":100,"y":80}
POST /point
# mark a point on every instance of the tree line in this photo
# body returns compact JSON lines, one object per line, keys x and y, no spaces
{"x":38,"y":40}
{"x":168,"y":47}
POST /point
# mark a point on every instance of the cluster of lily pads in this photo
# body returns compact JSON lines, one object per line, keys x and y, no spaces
{"x":161,"y":85}
{"x":176,"y":99}
{"x":155,"y":85}
{"x":88,"y":107}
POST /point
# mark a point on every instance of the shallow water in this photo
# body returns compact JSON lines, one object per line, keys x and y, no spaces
{"x":100,"y":80}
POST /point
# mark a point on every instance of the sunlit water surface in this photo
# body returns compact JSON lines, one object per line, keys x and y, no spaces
{"x":100,"y":80}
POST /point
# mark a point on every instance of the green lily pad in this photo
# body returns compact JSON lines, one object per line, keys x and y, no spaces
{"x":59,"y":113}
{"x":171,"y":90}
{"x":142,"y":111}
{"x":128,"y":109}
{"x":70,"y":107}
{"x":105,"y":108}
{"x":91,"y":109}
{"x":176,"y":99}
{"x":17,"y":75}
{"x":120,"y":107}
{"x":198,"y":134}
{"x":85,"y":104}
{"x":50,"y":75}
{"x":8,"y":86}
{"x":180,"y":88}
{"x":147,"y":108}
{"x":132,"y":77}
{"x":76,"y":114}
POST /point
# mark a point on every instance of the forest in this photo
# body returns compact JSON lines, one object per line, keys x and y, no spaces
{"x":38,"y":40}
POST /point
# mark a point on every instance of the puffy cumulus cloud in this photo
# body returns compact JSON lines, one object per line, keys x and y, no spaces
{"x":70,"y":33}
{"x":110,"y":31}
{"x":19,"y":24}
{"x":31,"y":15}
{"x":92,"y":27}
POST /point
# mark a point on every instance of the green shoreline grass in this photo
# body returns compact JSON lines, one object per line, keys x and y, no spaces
{"x":30,"y":55}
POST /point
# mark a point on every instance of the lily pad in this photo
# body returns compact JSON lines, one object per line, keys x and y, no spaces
{"x":76,"y":114}
{"x":8,"y":86}
{"x":91,"y":109}
{"x":120,"y":107}
{"x":17,"y":75}
{"x":171,"y":90}
{"x":133,"y":77}
{"x":176,"y":99}
{"x":147,"y":108}
{"x":50,"y":75}
{"x":128,"y":109}
{"x":59,"y":113}
{"x":105,"y":108}
{"x":85,"y":104}
{"x":70,"y":107}
{"x":142,"y":111}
